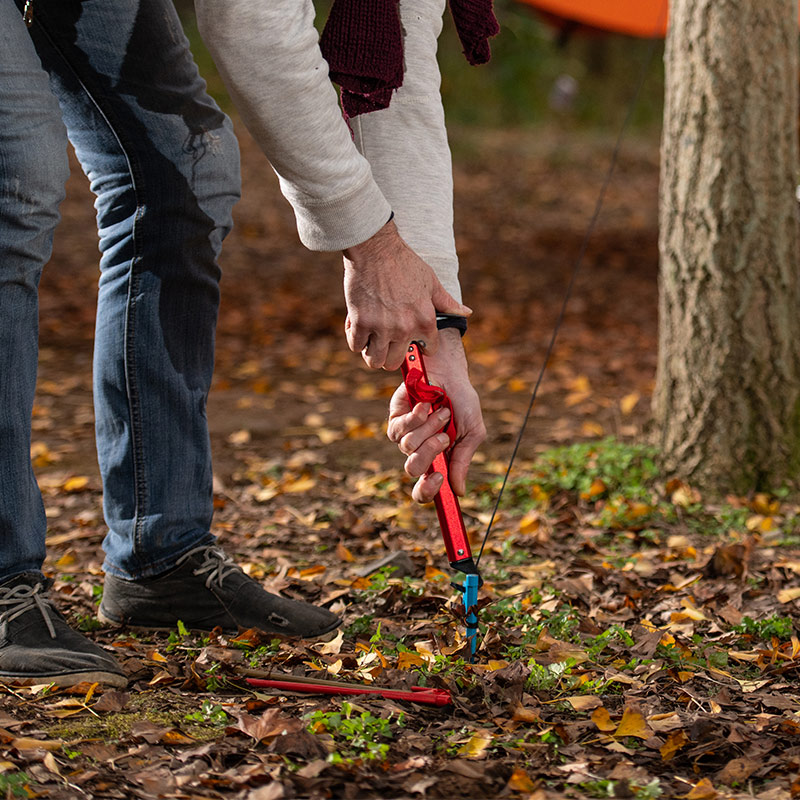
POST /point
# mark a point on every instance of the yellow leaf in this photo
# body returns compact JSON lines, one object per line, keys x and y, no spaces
{"x":41,"y":456}
{"x":602,"y":719}
{"x":787,"y":595}
{"x":66,"y":560}
{"x":589,"y":428}
{"x":704,"y":790}
{"x":154,"y":655}
{"x":355,"y":429}
{"x":436,"y":575}
{"x":638,"y":509}
{"x":763,"y":505}
{"x":530,"y":522}
{"x":692,"y":612}
{"x":476,"y":746}
{"x":309,"y":573}
{"x":517,"y":385}
{"x":76,"y":484}
{"x":521,"y":782}
{"x":299,"y":485}
{"x":407,"y":660}
{"x":760,"y":523}
{"x":539,"y":495}
{"x":579,"y":384}
{"x":175,"y":736}
{"x":675,"y":741}
{"x":595,"y":490}
{"x":574,"y":398}
{"x":628,"y":403}
{"x":633,"y":724}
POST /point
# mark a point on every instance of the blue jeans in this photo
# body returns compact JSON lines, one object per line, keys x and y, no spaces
{"x":117,"y":78}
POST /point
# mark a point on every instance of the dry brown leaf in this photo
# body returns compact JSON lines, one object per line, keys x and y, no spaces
{"x":584,"y":702}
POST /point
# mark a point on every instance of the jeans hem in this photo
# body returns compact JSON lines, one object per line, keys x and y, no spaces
{"x":157,"y":568}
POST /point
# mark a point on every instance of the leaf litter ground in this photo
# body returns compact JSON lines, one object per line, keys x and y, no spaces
{"x":636,"y":639}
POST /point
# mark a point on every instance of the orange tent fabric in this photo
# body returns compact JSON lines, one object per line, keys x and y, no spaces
{"x":645,"y":18}
{"x":635,"y":17}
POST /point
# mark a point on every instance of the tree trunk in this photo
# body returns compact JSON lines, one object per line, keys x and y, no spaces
{"x":727,"y":397}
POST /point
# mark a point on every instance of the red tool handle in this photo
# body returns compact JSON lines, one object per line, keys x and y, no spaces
{"x":418,"y":694}
{"x":448,"y":510}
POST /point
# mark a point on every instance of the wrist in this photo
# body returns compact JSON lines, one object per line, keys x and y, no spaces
{"x":381,"y":240}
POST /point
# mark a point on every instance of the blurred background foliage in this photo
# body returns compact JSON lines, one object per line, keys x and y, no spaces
{"x":540,"y":73}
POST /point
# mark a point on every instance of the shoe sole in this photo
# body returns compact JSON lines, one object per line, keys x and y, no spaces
{"x":67,"y":679}
{"x":325,"y":636}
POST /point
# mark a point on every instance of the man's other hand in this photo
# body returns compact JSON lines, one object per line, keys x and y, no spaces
{"x":416,"y":431}
{"x":392,"y":298}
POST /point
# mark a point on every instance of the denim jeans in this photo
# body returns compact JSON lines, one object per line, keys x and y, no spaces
{"x":117,"y":78}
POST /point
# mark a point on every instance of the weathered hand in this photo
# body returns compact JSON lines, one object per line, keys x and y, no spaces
{"x":392,"y":298}
{"x":416,"y":431}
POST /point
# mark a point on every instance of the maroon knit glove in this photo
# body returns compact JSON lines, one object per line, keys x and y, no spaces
{"x":363,"y":44}
{"x":475,"y":24}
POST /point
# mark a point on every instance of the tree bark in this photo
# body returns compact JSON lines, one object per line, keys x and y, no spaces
{"x":727,"y":397}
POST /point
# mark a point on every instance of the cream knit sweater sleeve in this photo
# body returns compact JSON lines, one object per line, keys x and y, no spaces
{"x":268,"y":54}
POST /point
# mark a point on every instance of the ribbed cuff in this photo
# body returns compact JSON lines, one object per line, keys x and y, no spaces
{"x":343,"y":222}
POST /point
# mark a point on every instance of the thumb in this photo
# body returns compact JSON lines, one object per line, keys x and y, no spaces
{"x":445,"y":303}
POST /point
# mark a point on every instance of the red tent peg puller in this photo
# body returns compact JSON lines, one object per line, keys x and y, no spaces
{"x":292,"y":683}
{"x":451,"y":521}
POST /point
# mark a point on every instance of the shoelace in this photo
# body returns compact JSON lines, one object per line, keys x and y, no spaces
{"x":217,"y":565}
{"x":21,"y":599}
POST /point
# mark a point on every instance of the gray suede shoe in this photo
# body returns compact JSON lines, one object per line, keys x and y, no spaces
{"x":37,"y":645}
{"x":207,"y":589}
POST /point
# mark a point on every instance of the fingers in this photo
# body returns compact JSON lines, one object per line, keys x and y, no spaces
{"x":461,"y":457}
{"x":357,"y":335}
{"x":416,"y":437}
{"x":445,"y":303}
{"x":427,"y":487}
{"x":419,"y":461}
{"x":382,"y":353}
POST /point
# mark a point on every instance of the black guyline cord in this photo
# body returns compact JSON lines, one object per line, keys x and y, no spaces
{"x":645,"y":69}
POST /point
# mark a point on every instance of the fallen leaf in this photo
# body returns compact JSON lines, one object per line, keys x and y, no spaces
{"x":633,"y":724}
{"x":704,"y":790}
{"x":737,"y":771}
{"x":675,"y":741}
{"x":476,"y":746}
{"x":520,"y":781}
{"x":585,"y":702}
{"x":76,"y":484}
{"x":334,"y":646}
{"x":602,"y":719}
{"x":787,"y":595}
{"x":406,"y":660}
{"x":629,"y":402}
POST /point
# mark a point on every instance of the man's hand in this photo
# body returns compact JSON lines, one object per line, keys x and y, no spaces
{"x":392,"y":298}
{"x":416,"y":433}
